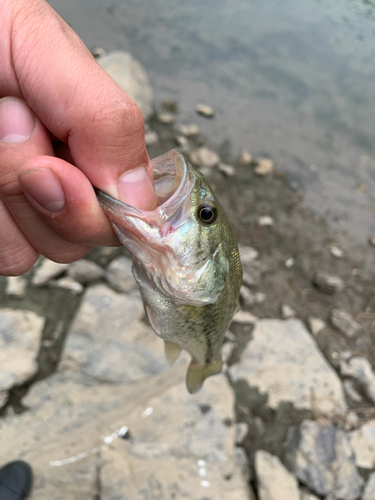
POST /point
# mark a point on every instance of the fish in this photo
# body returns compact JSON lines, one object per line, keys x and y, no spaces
{"x":185,"y":261}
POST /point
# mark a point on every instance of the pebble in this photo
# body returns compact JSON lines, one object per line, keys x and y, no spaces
{"x":16,"y":286}
{"x":287,"y":312}
{"x":227,"y":170}
{"x":241,"y":432}
{"x":321,"y":456}
{"x":369,"y":491}
{"x":166,"y":118}
{"x":260,"y":297}
{"x":46,"y":271}
{"x":85,"y":271}
{"x":316,"y":325}
{"x":264,"y":166}
{"x":247,"y":254}
{"x":244,"y":318}
{"x":244,"y":158}
{"x":345,"y":323}
{"x":327,"y":283}
{"x":103,"y":255}
{"x":266,"y":220}
{"x":247,"y":296}
{"x":182,"y":141}
{"x":274,"y":481}
{"x":204,"y":110}
{"x":363,"y":444}
{"x":70,"y":284}
{"x":119,"y":274}
{"x":290,"y":262}
{"x":98,"y":52}
{"x":151,"y":138}
{"x":351,"y":421}
{"x":204,"y":157}
{"x":189,"y":130}
{"x":336,"y":252}
{"x":372,"y":241}
{"x":351,"y":391}
{"x":360,"y":370}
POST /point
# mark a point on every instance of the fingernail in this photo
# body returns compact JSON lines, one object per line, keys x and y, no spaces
{"x":136,"y":189}
{"x":43,"y":189}
{"x":17,"y":121}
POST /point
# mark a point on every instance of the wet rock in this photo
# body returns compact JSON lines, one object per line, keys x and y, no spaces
{"x":189,"y":130}
{"x":247,"y":254}
{"x":303,"y":376}
{"x":274,"y":481}
{"x":287,"y":312}
{"x":322,"y":459}
{"x":247,"y":296}
{"x":316,"y":325}
{"x":360,"y":370}
{"x":244,"y":158}
{"x":328,"y":283}
{"x":20,"y":337}
{"x":362,"y":441}
{"x":351,"y":391}
{"x":369,"y":492}
{"x":70,"y":284}
{"x":266,"y":220}
{"x":264,"y":167}
{"x":204,"y":110}
{"x":227,"y":170}
{"x":345,"y":323}
{"x":151,"y":138}
{"x":204,"y":157}
{"x":46,"y":271}
{"x":132,"y":78}
{"x":166,"y":118}
{"x":108,"y":342}
{"x":16,"y":286}
{"x":85,"y":271}
{"x":336,"y":252}
{"x":119,"y":274}
{"x":244,"y":318}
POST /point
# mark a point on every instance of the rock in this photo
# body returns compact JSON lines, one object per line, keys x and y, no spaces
{"x":98,"y":52}
{"x":360,"y":369}
{"x":204,"y":110}
{"x":351,"y":391}
{"x":132,"y":78}
{"x":290,"y":262}
{"x":247,"y":254}
{"x":108,"y":342}
{"x":119,"y":274}
{"x":345,"y":323}
{"x":266,"y":220}
{"x":264,"y":166}
{"x":70,"y":284}
{"x":316,"y":325}
{"x":244,"y":318}
{"x":204,"y":157}
{"x":85,"y":271}
{"x":189,"y":130}
{"x":251,"y":273}
{"x":303,"y":377}
{"x":287,"y":312}
{"x":351,"y":421}
{"x":244,"y":158}
{"x":274,"y":481}
{"x":151,"y":138}
{"x":182,"y":141}
{"x":241,"y":432}
{"x":20,"y":337}
{"x":166,"y":118}
{"x":46,"y":271}
{"x":16,"y":286}
{"x":327,"y":283}
{"x":321,"y":457}
{"x":227,"y":170}
{"x":3,"y":398}
{"x":372,"y":241}
{"x":336,"y":252}
{"x":369,"y":492}
{"x":363,"y":444}
{"x":247,"y":296}
{"x":306,"y":495}
{"x":103,"y":255}
{"x":260,"y":297}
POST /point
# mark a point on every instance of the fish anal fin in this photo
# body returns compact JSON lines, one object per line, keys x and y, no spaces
{"x":197,"y":374}
{"x":172,"y":351}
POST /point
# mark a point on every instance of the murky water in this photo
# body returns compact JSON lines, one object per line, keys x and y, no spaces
{"x":293,"y":80}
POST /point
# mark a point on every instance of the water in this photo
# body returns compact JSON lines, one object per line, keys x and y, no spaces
{"x":292,"y":80}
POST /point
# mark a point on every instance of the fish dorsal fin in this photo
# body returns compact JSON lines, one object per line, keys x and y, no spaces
{"x":172,"y":351}
{"x":197,"y":374}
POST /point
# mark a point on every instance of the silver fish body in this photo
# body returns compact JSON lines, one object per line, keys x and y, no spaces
{"x":185,"y":261}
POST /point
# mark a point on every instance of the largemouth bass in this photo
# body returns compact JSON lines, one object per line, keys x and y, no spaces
{"x":185,"y":261}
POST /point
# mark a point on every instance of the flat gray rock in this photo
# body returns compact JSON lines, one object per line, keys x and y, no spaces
{"x":274,"y":481}
{"x":20,"y":337}
{"x":322,"y":458}
{"x":132,"y":78}
{"x":327,"y":283}
{"x":85,"y":271}
{"x":303,"y":376}
{"x":119,"y":274}
{"x":363,"y":444}
{"x":361,"y":371}
{"x":108,"y":341}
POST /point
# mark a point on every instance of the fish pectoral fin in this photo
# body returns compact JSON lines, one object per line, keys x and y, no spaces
{"x":197,"y":374}
{"x":172,"y":351}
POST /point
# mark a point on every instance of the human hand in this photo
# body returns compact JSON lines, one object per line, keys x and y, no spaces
{"x":65,"y":126}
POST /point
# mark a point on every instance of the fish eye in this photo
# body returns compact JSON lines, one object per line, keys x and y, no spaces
{"x":207,"y":214}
